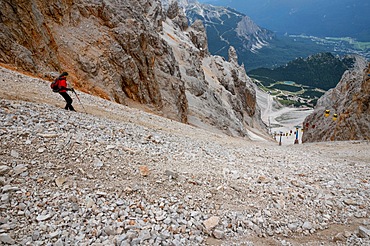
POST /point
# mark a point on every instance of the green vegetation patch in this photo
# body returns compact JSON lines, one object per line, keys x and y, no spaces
{"x":362,"y":45}
{"x":323,"y":70}
{"x":312,"y":94}
{"x":288,"y":102}
{"x":285,"y":87}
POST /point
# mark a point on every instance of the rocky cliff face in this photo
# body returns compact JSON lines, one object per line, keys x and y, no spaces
{"x":220,"y":94}
{"x":350,"y":100}
{"x":123,"y":51}
{"x":228,"y":27}
{"x":110,"y":48}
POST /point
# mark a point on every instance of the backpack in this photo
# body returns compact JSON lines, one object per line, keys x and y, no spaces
{"x":55,"y":85}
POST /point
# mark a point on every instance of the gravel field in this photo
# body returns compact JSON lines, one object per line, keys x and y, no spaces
{"x":119,"y":176}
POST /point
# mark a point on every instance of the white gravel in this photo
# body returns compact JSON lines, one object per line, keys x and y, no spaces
{"x":120,"y":176}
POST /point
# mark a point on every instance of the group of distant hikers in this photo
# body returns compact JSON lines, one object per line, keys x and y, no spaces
{"x":60,"y":86}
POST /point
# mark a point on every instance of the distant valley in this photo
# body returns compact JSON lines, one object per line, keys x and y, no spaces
{"x":259,"y":47}
{"x":296,"y":69}
{"x":286,"y":48}
{"x":302,"y":81}
{"x":333,"y":18}
{"x":322,"y":70}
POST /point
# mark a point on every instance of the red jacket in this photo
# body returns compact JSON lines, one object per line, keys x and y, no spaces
{"x":63,"y":84}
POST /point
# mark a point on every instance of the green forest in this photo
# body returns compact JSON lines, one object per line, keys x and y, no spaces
{"x":322,"y":70}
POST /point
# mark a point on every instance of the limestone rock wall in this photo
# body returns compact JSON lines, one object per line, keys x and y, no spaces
{"x":131,"y":52}
{"x":350,"y":100}
{"x":220,"y":94}
{"x":110,"y":48}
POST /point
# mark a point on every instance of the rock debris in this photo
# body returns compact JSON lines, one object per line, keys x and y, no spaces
{"x":119,"y":176}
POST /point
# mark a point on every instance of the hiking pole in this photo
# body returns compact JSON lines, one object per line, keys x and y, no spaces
{"x":79,"y":100}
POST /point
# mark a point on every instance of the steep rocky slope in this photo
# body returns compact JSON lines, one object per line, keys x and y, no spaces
{"x":350,"y":101}
{"x":121,"y":51}
{"x":111,"y":49}
{"x":120,"y":176}
{"x":220,"y":95}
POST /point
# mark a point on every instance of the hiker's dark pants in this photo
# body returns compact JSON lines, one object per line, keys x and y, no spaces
{"x":68,"y":101}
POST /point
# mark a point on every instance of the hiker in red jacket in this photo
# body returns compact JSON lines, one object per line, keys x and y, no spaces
{"x":63,"y":91}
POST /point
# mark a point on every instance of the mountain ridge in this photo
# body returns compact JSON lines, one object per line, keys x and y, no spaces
{"x":330,"y":18}
{"x":132,"y":53}
{"x":227,"y":27}
{"x":281,"y":47}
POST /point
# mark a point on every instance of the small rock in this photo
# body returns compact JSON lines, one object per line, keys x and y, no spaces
{"x":35,"y":235}
{"x":167,"y":221}
{"x":171,"y":175}
{"x":59,"y":243}
{"x":218,"y":234}
{"x":60,"y":181}
{"x":136,"y":241}
{"x":89,"y":202}
{"x":43,"y":217}
{"x":161,"y":217}
{"x":48,"y":135}
{"x":350,"y":202}
{"x":5,"y":238}
{"x":363,"y":232}
{"x":14,"y":154}
{"x":120,"y":202}
{"x":4,"y":169}
{"x":9,"y":188}
{"x":98,"y":163}
{"x":144,"y":235}
{"x":128,"y":190}
{"x":121,"y":238}
{"x":339,"y":238}
{"x":109,"y":231}
{"x":64,"y":214}
{"x":165,"y":234}
{"x":54,"y":234}
{"x":110,"y":147}
{"x":101,"y":193}
{"x":5,"y":227}
{"x":73,"y":199}
{"x":307,"y":225}
{"x":80,"y":237}
{"x":75,"y":207}
{"x":211,"y":222}
{"x":5,"y":198}
{"x":235,"y":175}
{"x":20,"y":169}
{"x":297,"y":183}
{"x":144,"y":171}
{"x":262,"y":179}
{"x":82,"y":171}
{"x":41,"y":150}
{"x":347,"y":234}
